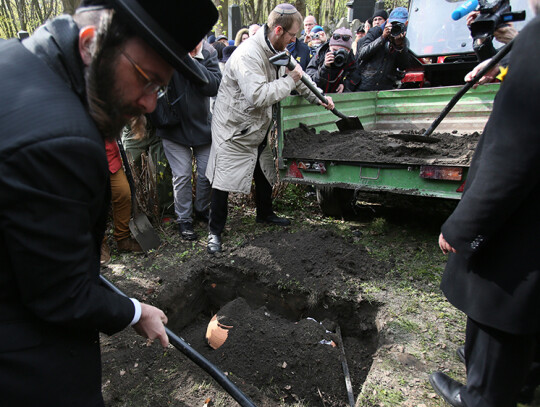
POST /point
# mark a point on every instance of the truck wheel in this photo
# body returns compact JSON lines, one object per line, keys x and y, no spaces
{"x":335,"y":202}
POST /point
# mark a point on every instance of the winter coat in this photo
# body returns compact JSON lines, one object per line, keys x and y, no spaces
{"x":378,"y":60}
{"x":495,"y":276}
{"x":250,"y":87}
{"x":329,"y":78}
{"x":192,"y":104}
{"x":54,"y":197}
{"x":300,"y":52}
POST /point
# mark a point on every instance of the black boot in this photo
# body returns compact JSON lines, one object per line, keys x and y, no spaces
{"x":214,"y":243}
{"x":273,"y":219}
{"x":447,"y":388}
{"x":186,"y":231}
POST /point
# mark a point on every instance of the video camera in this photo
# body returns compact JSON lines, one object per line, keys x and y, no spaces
{"x":492,"y":16}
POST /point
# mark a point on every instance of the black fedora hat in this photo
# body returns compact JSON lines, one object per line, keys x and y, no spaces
{"x":171,"y":27}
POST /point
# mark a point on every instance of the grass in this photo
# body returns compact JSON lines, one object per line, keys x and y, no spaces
{"x":376,"y":395}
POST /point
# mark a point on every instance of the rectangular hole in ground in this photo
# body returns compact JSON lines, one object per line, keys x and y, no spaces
{"x":277,"y":343}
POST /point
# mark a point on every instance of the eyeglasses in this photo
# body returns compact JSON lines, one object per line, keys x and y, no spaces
{"x":288,"y":32}
{"x":151,"y":87}
{"x":338,"y":37}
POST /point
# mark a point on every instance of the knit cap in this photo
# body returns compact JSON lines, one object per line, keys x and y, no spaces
{"x":338,"y":38}
{"x":381,"y":13}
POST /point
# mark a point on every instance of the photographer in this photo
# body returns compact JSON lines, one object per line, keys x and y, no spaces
{"x":334,"y":63}
{"x":385,"y":50}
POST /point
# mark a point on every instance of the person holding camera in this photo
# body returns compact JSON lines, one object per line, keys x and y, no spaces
{"x":384,"y":51}
{"x":333,"y":65}
{"x":317,"y":38}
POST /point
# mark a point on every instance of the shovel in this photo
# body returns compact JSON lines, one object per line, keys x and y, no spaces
{"x":139,"y":225}
{"x":426,"y":136}
{"x":347,"y":122}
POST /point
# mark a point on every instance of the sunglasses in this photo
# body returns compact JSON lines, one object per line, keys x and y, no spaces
{"x":338,"y":37}
{"x":316,"y":36}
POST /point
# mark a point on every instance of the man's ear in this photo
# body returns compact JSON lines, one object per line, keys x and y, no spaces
{"x":86,"y":42}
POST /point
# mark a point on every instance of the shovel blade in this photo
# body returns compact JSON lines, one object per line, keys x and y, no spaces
{"x":144,"y":233}
{"x":414,"y":138}
{"x":350,"y":123}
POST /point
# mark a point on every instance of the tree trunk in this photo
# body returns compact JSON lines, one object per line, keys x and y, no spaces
{"x":258,"y":10}
{"x":301,"y":7}
{"x":70,"y":6}
{"x":331,"y":10}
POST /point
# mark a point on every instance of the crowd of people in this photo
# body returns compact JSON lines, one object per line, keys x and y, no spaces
{"x":70,"y":89}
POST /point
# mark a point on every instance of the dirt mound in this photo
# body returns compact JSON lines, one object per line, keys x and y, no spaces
{"x":308,"y":257}
{"x":377,"y":147}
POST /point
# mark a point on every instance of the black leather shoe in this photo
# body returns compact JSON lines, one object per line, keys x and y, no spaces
{"x":447,"y":388}
{"x":460,"y":352}
{"x":186,"y":231}
{"x":214,"y":243}
{"x":202,"y":216}
{"x":274,"y":220}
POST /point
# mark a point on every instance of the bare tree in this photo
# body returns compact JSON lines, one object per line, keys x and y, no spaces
{"x":27,"y":15}
{"x":70,"y":6}
{"x":301,"y":7}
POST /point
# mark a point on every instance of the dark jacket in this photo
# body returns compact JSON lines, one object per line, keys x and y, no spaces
{"x":301,"y":52}
{"x":378,"y":60}
{"x":495,"y":276}
{"x":191,"y":104}
{"x":53,"y":206}
{"x":329,"y":78}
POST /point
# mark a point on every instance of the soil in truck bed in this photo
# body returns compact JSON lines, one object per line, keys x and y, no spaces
{"x":379,"y":147}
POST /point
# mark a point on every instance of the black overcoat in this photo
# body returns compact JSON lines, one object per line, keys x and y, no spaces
{"x":495,"y":276}
{"x":53,"y":203}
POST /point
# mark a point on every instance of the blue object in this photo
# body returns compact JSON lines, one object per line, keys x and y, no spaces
{"x":400,"y":15}
{"x":464,"y":9}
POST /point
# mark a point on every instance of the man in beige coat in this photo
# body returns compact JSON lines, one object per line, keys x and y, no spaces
{"x":242,"y":118}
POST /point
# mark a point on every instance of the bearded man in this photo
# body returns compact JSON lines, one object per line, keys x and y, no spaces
{"x":75,"y":82}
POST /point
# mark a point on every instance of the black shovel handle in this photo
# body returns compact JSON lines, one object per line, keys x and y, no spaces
{"x":197,"y":358}
{"x":494,"y":61}
{"x":291,"y":63}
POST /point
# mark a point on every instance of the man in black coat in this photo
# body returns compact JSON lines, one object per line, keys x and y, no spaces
{"x":383,"y":51}
{"x":190,"y":137}
{"x":75,"y":81}
{"x":493,"y":271}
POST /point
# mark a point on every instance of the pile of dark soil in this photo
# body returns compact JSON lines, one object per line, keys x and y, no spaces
{"x":377,"y":147}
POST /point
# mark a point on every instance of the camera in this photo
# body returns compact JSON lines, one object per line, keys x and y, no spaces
{"x":340,"y":57}
{"x":492,"y":16}
{"x":397,"y":29}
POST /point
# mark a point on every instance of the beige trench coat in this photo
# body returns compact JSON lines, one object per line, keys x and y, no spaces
{"x":243,"y":114}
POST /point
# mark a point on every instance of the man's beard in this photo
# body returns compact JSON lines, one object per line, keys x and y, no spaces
{"x":106,"y":105}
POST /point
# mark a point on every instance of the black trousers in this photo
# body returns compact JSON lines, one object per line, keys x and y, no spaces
{"x":219,"y":200}
{"x":499,"y":366}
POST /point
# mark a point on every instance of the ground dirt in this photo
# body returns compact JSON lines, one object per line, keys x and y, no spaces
{"x":378,"y":147}
{"x":285,"y":291}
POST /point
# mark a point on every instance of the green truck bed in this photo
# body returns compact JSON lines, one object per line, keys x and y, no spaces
{"x":392,"y":112}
